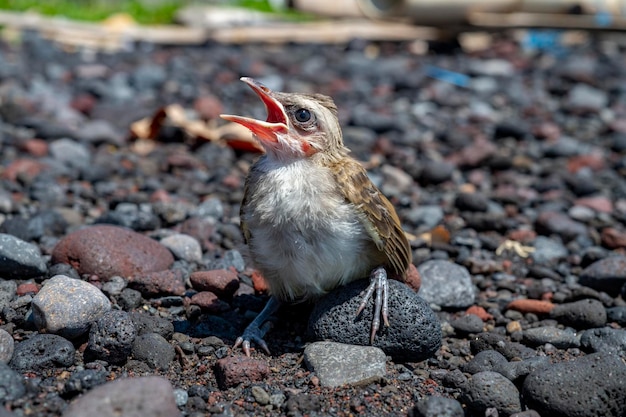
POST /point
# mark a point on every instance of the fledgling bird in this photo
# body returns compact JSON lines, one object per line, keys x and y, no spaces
{"x":310,"y":215}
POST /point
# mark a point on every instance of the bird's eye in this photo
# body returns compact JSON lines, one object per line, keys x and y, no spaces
{"x":302,"y":115}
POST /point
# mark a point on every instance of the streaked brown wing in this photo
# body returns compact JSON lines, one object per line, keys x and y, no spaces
{"x":378,"y":215}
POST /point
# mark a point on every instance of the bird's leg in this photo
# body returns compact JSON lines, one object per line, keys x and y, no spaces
{"x":258,"y":327}
{"x":378,"y":283}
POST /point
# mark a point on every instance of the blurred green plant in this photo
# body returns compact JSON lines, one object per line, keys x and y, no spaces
{"x":143,"y":11}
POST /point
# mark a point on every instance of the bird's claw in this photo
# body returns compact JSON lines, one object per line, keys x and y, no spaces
{"x":379,"y":285}
{"x":253,"y":334}
{"x":257,"y":329}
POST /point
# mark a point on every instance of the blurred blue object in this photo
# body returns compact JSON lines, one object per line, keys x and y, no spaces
{"x":448,"y":76}
{"x":544,"y":40}
{"x":603,"y":18}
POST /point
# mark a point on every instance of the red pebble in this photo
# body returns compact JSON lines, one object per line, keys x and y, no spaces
{"x":531,"y":306}
{"x":233,"y":370}
{"x":480,"y":312}
{"x":27,"y":288}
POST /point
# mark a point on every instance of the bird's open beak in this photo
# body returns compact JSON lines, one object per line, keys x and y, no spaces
{"x":265,"y":131}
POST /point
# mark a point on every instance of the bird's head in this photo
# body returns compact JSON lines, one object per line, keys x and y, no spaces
{"x":297,"y":125}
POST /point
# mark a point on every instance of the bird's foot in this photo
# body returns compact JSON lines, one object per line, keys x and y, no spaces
{"x":379,"y":285}
{"x":258,"y":328}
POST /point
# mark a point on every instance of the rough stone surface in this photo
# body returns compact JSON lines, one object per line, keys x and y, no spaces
{"x":108,"y":250}
{"x":337,"y":364}
{"x":183,"y":247}
{"x":592,"y":385}
{"x":42,"y":351}
{"x":604,"y":340}
{"x":111,"y":337}
{"x":414,"y":333}
{"x":130,"y":397}
{"x":446,"y":284}
{"x":68,"y":306}
{"x":232,"y":371}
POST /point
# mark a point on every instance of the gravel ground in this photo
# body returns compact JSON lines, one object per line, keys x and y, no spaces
{"x":123,"y":258}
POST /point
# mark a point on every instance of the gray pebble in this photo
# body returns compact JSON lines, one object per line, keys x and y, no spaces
{"x":446,"y":284}
{"x":211,"y":207}
{"x":42,"y":351}
{"x":20,"y":259}
{"x":604,"y":339}
{"x":111,"y":337}
{"x":183,"y":247}
{"x":153,"y":349}
{"x":583,"y":97}
{"x":617,"y":315}
{"x":147,"y":396}
{"x":181,"y":397}
{"x":469,"y":323}
{"x":8,"y":290}
{"x":337,"y":364}
{"x":433,"y":406}
{"x":68,"y":306}
{"x":491,"y":390}
{"x":71,"y":153}
{"x":562,"y":339}
{"x":11,"y":384}
{"x":487,"y":360}
{"x":587,"y":386}
{"x":114,"y":286}
{"x":414,"y":332}
{"x":548,"y":251}
{"x":425,"y":217}
{"x":7,"y":346}
{"x":260,"y":395}
{"x":583,"y":314}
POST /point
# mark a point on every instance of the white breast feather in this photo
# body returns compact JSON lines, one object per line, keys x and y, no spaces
{"x":305,"y":239}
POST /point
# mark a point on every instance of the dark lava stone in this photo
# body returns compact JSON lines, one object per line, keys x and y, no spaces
{"x":608,"y":274}
{"x":42,"y":351}
{"x":499,"y":343}
{"x":111,"y":337}
{"x":604,"y":339}
{"x":436,"y":172}
{"x":85,"y":380}
{"x":471,"y":202}
{"x":129,"y":299}
{"x":469,"y":323}
{"x":153,"y":349}
{"x":587,"y":386}
{"x":491,"y":390}
{"x":583,"y":314}
{"x":414,"y":333}
{"x":145,"y":323}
